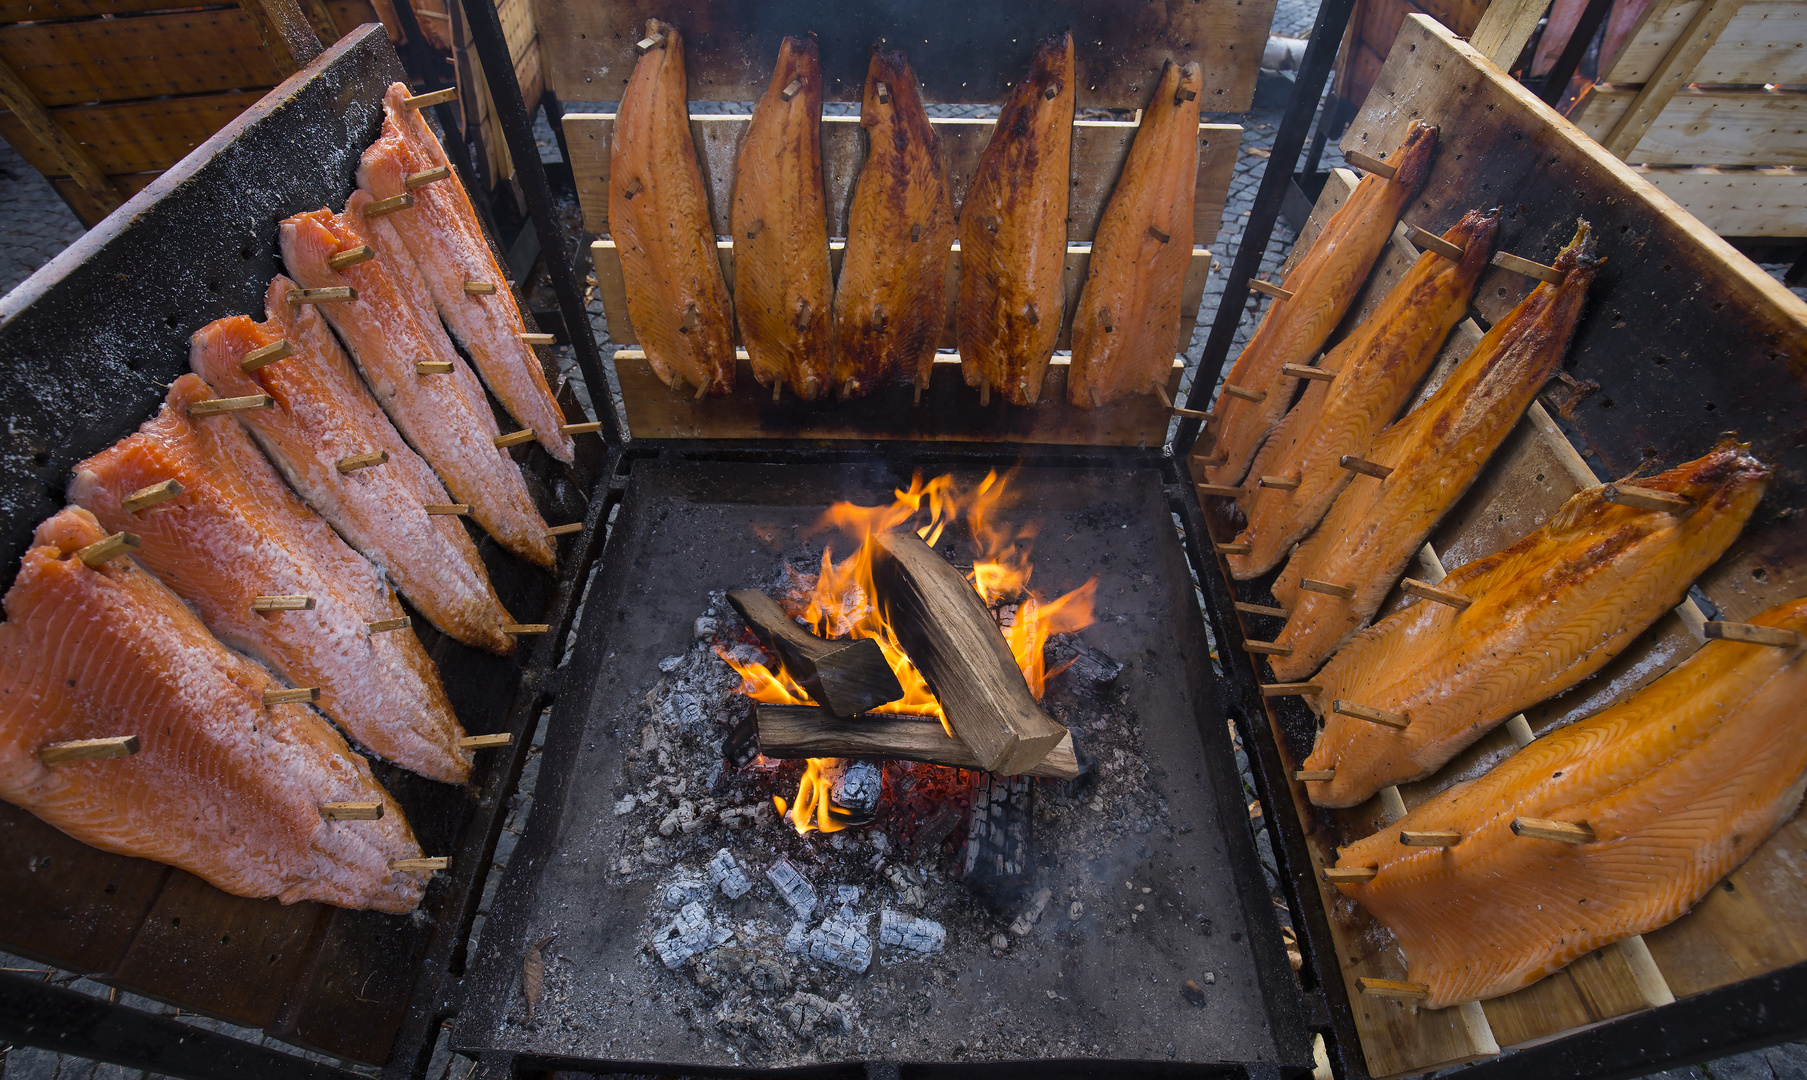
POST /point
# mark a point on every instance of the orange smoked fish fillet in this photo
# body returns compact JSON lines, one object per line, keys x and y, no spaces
{"x":446,"y":241}
{"x":1324,"y":282}
{"x":1377,"y":367}
{"x":388,"y":328}
{"x":1376,"y":526}
{"x":1547,"y":612}
{"x":223,"y":786}
{"x":1680,"y":783}
{"x":1126,"y":330}
{"x":323,"y":414}
{"x":237,"y":532}
{"x":1013,"y":234}
{"x":659,"y":218}
{"x":892,"y":298}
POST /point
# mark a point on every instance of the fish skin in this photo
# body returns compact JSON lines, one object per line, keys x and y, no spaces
{"x":1377,"y":367}
{"x":1681,"y":782}
{"x":783,"y":288}
{"x":1548,"y":612}
{"x":1324,"y":283}
{"x":664,"y":233}
{"x":1126,"y":330}
{"x":386,"y":329}
{"x":323,"y":413}
{"x":448,"y":245}
{"x":891,"y":301}
{"x":1372,"y":530}
{"x":222,"y":787}
{"x":1013,"y":233}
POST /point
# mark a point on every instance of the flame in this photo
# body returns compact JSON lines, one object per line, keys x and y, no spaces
{"x":837,"y":602}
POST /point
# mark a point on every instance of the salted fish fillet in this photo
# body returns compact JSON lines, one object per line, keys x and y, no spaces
{"x":390,"y":326}
{"x":236,"y":532}
{"x":446,"y":241}
{"x":1376,"y":366}
{"x":1126,"y":330}
{"x":1376,"y":526}
{"x":1323,"y":284}
{"x":659,"y":218}
{"x":1680,"y":783}
{"x":222,"y":786}
{"x":783,"y":288}
{"x":1013,"y":234}
{"x":1547,"y":612}
{"x":891,"y":301}
{"x":324,"y":414}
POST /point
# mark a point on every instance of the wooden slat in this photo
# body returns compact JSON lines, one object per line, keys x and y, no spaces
{"x":55,"y":145}
{"x":1676,"y":70}
{"x":129,"y":137}
{"x":1738,"y":202}
{"x":287,"y":34}
{"x":143,"y":56}
{"x":1708,"y":127}
{"x":66,"y":903}
{"x":1506,"y":27}
{"x":1766,"y":42}
{"x":91,"y":210}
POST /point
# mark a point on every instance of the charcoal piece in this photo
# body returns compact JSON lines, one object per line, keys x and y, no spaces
{"x":854,"y":787}
{"x":937,"y":827}
{"x":997,"y":859}
{"x":903,"y":931}
{"x":741,"y":746}
{"x":792,"y":888}
{"x":1085,"y":665}
{"x":846,"y":676}
{"x":847,"y":895}
{"x":726,"y":873}
{"x":841,"y":940}
{"x":683,"y":890}
{"x":686,"y":936}
{"x":1031,"y":913}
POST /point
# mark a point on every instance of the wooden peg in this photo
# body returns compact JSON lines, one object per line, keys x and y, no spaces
{"x":882,"y":92}
{"x":1365,"y":467}
{"x":448,"y":509}
{"x":565,"y":530}
{"x":1269,"y":289}
{"x":1427,"y":591}
{"x":1528,"y":268}
{"x":513,"y":438}
{"x":1307,"y":371}
{"x":1233,"y":549}
{"x":1213,"y":461}
{"x":425,"y":177}
{"x":590,"y":428}
{"x":383,"y":626}
{"x":1167,"y":403}
{"x":1397,"y":720}
{"x":538,"y":339}
{"x":1567,"y":832}
{"x":526,"y":628}
{"x":1278,"y":483}
{"x":264,"y":357}
{"x":1752,"y":634}
{"x":1289,"y":689}
{"x":1646,"y":498}
{"x":101,"y":551}
{"x":336,"y":295}
{"x":984,"y":393}
{"x":437,"y":97}
{"x":383,"y":207}
{"x":1430,"y":241}
{"x":1157,"y":235}
{"x":351,"y":257}
{"x":351,"y":811}
{"x":1393,"y":988}
{"x":1429,"y":837}
{"x":1051,"y":92}
{"x":1261,"y":609}
{"x":301,"y":695}
{"x":479,"y":288}
{"x":1350,"y":874}
{"x":282,"y":603}
{"x":116,"y":746}
{"x":1235,"y":391}
{"x":484,"y":742}
{"x":1267,"y":648}
{"x":791,"y":89}
{"x":1370,"y":164}
{"x":440,"y":862}
{"x":146,"y":497}
{"x":1225,"y":490}
{"x":355,"y":462}
{"x":1182,"y":96}
{"x":432,"y":367}
{"x":1343,"y":592}
{"x":649,"y":43}
{"x":1313,"y":775}
{"x":215,"y":406}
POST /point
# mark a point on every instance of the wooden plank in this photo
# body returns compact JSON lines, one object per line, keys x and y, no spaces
{"x":1766,"y":42}
{"x":1738,"y":202}
{"x":1745,"y":126}
{"x":1506,"y":28}
{"x":66,"y":903}
{"x":102,"y":60}
{"x":729,"y":50}
{"x":350,"y":999}
{"x":287,"y":35}
{"x":55,"y":145}
{"x":92,"y":210}
{"x":131,"y":136}
{"x":1676,"y":70}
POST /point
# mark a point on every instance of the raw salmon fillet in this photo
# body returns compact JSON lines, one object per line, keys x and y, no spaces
{"x":1013,"y":234}
{"x":1126,"y":330}
{"x":222,"y":787}
{"x":1680,"y":783}
{"x":783,"y":291}
{"x":1547,"y":612}
{"x":237,"y":532}
{"x":1324,"y":282}
{"x":1376,"y":526}
{"x":1377,"y":367}
{"x":446,"y":241}
{"x":659,"y":217}
{"x":892,"y":299}
{"x":387,"y":328}
{"x":322,"y":414}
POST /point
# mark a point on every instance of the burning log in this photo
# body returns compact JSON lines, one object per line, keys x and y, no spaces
{"x":799,"y":731}
{"x":950,"y":636}
{"x":997,"y":857}
{"x":847,"y":677}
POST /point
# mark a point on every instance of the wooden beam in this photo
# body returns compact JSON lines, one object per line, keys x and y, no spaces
{"x":71,"y":156}
{"x":1671,"y":75}
{"x":286,"y":33}
{"x":847,"y":677}
{"x":1505,"y":29}
{"x":803,"y":731}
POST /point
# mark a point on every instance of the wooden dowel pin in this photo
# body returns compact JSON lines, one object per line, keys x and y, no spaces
{"x":484,"y":742}
{"x":1567,"y":832}
{"x":526,"y":628}
{"x":1289,"y":689}
{"x":1646,"y":498}
{"x":590,"y":428}
{"x":1350,"y":873}
{"x":383,"y":626}
{"x":215,"y":406}
{"x":1429,"y":837}
{"x":388,"y":206}
{"x":1261,"y":609}
{"x":479,"y":288}
{"x":112,"y":547}
{"x":1307,"y":371}
{"x":1425,"y":590}
{"x":282,"y":603}
{"x":1167,"y":403}
{"x":649,"y":43}
{"x":1233,"y":549}
{"x":146,"y":497}
{"x":538,"y":339}
{"x":116,"y":746}
{"x":1311,"y":775}
{"x":791,"y":89}
{"x":1268,"y":288}
{"x":1278,"y":483}
{"x":1528,"y":268}
{"x":301,"y":695}
{"x":440,"y":862}
{"x":1430,"y":241}
{"x":334,"y":295}
{"x":426,"y":176}
{"x":447,"y":509}
{"x":351,"y":257}
{"x":1753,"y":635}
{"x":1224,"y":490}
{"x":1235,"y":391}
{"x":437,"y":97}
{"x":1393,"y":988}
{"x":1267,"y":648}
{"x":1365,"y":467}
{"x":514,"y":438}
{"x":264,"y":357}
{"x":565,"y":530}
{"x":1344,"y":592}
{"x":351,"y":811}
{"x":1370,"y":164}
{"x":1396,"y":720}
{"x":354,"y":462}
{"x":432,"y":367}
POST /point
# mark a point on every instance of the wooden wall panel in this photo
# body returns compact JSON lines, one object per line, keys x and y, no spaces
{"x":1707,"y":127}
{"x":1766,"y":42}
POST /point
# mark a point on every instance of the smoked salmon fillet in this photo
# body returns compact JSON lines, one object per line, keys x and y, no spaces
{"x":1546,"y":613}
{"x":322,"y":415}
{"x":235,"y":533}
{"x":1324,"y":282}
{"x":1376,"y":368}
{"x":1679,"y":784}
{"x":659,"y":218}
{"x":783,"y":290}
{"x":1013,"y":234}
{"x":442,"y":234}
{"x":222,"y":786}
{"x":892,"y":298}
{"x":388,"y":329}
{"x":1126,"y":330}
{"x":1376,"y":526}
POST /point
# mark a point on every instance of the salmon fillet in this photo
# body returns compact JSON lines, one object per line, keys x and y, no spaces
{"x":223,"y":787}
{"x":322,"y":414}
{"x":446,"y":241}
{"x":783,"y":291}
{"x":892,"y":299}
{"x":387,"y":329}
{"x":1013,"y":234}
{"x":1376,"y":526}
{"x":659,"y":217}
{"x":1547,"y":612}
{"x":237,"y":532}
{"x":1377,"y":367}
{"x":1680,"y":783}
{"x":1323,"y":283}
{"x":1126,"y":330}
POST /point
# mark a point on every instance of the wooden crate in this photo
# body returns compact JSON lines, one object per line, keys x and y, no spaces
{"x":1686,"y":339}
